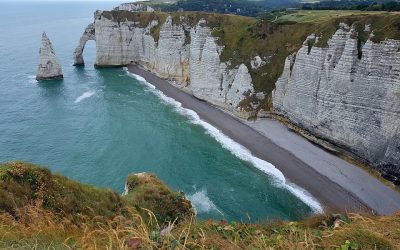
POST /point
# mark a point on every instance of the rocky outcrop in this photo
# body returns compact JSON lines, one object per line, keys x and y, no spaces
{"x":49,"y":68}
{"x":347,"y":93}
{"x":182,"y":52}
{"x":151,"y":193}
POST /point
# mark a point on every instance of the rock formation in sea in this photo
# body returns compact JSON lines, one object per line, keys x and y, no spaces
{"x":348,"y":94}
{"x":49,"y":68}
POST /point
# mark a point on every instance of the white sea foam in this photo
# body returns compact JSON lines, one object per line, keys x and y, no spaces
{"x":85,"y":95}
{"x":202,"y":203}
{"x":237,"y":149}
{"x":32,"y":79}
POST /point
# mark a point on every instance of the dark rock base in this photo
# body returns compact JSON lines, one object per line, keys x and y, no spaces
{"x":390,"y":172}
{"x":59,"y":77}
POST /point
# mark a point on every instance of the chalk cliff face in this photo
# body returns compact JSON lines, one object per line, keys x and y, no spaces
{"x":183,"y":52}
{"x":347,"y":93}
{"x":211,"y":79}
{"x":49,"y":68}
{"x":134,"y":7}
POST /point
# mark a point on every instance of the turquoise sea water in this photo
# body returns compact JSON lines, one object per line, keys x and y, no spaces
{"x":97,"y":126}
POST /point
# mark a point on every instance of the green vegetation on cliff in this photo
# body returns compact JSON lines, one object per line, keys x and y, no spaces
{"x":385,"y":25}
{"x":239,"y":7}
{"x":146,"y":190}
{"x":23,"y":184}
{"x":40,"y":210}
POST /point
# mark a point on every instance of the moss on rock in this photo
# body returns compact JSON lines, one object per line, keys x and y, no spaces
{"x":147,"y":191}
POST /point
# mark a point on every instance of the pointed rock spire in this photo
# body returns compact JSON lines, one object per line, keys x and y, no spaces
{"x":49,"y":68}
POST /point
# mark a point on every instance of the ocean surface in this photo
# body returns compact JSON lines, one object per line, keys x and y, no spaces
{"x":99,"y":125}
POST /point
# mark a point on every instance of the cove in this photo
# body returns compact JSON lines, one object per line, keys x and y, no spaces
{"x":97,"y":126}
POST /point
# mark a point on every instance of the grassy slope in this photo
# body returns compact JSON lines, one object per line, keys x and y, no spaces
{"x":81,"y":216}
{"x":384,"y":24}
{"x":317,"y":16}
{"x":272,"y":38}
{"x":35,"y":203}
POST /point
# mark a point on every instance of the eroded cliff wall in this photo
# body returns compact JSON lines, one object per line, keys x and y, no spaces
{"x":347,"y":93}
{"x":183,"y":52}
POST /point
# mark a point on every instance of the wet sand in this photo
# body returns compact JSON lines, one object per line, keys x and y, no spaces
{"x":305,"y":164}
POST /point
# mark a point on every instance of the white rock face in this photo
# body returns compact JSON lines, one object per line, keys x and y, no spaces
{"x":134,"y":7}
{"x":211,"y":79}
{"x":182,"y":53}
{"x":172,"y":52}
{"x":49,"y":68}
{"x":353,"y":102}
{"x":257,"y":62}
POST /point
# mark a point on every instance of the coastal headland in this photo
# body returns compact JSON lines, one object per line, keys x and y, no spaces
{"x":320,"y":75}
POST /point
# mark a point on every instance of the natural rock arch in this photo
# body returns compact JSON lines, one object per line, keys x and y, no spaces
{"x":88,"y":34}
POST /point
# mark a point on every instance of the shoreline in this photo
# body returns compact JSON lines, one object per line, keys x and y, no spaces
{"x":300,"y":168}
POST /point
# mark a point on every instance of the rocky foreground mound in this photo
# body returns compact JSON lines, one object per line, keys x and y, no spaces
{"x":41,"y":210}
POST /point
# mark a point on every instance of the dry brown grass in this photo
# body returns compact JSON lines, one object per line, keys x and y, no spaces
{"x":36,"y":227}
{"x":31,"y":225}
{"x":42,"y":229}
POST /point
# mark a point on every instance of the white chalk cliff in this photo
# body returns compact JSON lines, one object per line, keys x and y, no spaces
{"x":184,"y":53}
{"x":347,"y":93}
{"x":134,"y":7}
{"x":49,"y":68}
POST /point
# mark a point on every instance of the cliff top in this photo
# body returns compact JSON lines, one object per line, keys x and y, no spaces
{"x":383,"y":24}
{"x":317,"y":16}
{"x":39,"y":209}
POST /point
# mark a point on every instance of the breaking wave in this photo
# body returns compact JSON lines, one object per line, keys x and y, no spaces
{"x":84,"y":96}
{"x":202,"y":203}
{"x":32,"y":79}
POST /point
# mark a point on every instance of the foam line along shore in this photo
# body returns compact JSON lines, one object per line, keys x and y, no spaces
{"x":287,"y":170}
{"x":309,"y":170}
